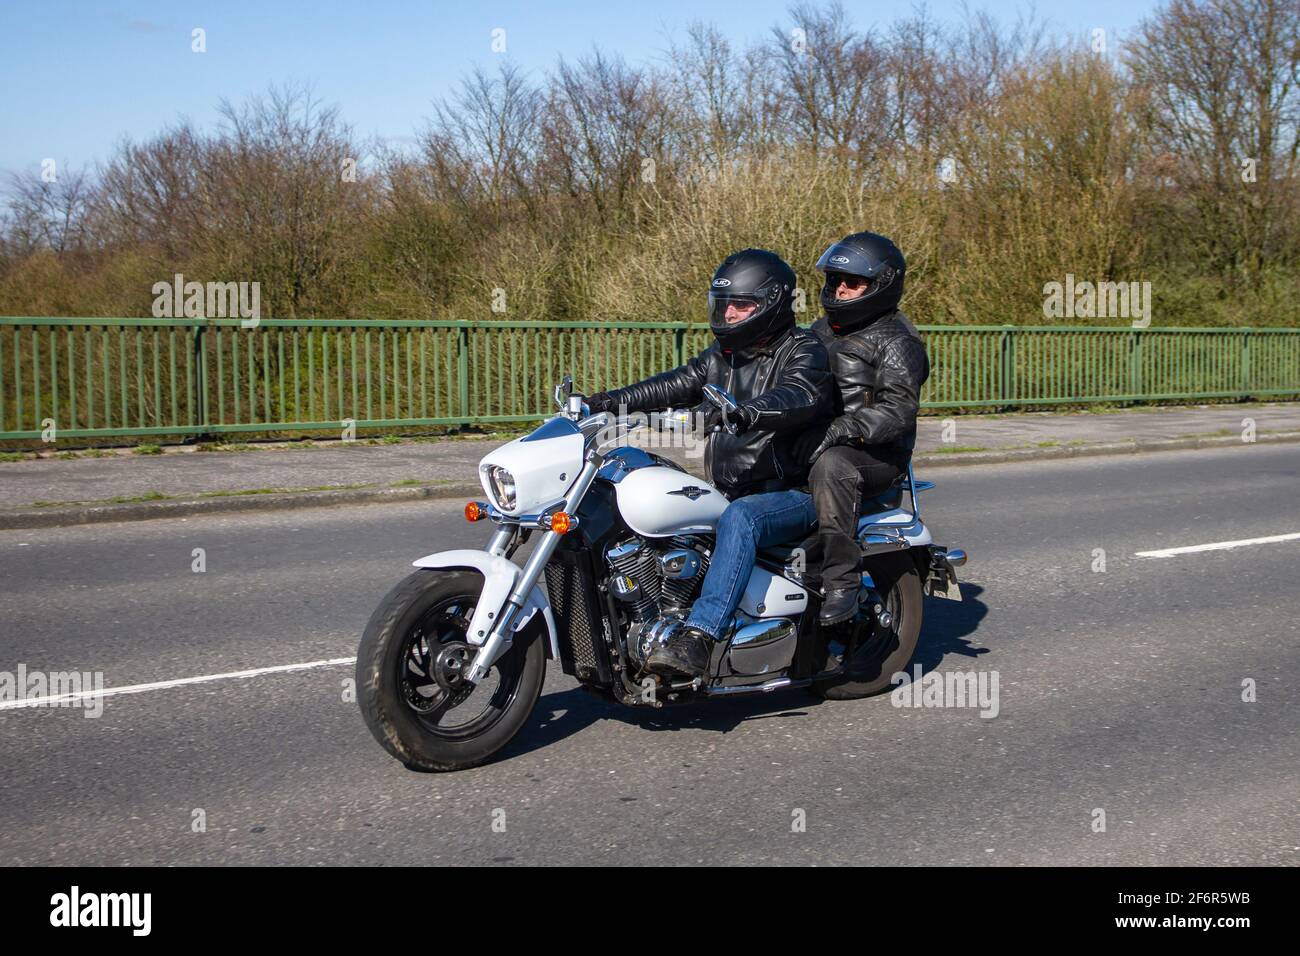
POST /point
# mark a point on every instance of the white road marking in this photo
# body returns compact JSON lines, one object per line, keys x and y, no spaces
{"x":1218,"y":546}
{"x":167,"y":684}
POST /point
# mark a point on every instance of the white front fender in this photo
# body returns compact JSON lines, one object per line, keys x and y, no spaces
{"x":499,"y":578}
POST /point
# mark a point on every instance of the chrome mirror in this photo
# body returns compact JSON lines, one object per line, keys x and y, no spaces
{"x":721,"y":398}
{"x":563,"y":391}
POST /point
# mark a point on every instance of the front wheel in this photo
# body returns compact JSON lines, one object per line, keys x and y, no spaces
{"x":877,"y":653}
{"x":409,"y":669}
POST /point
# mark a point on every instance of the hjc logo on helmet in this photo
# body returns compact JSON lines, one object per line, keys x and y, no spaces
{"x":721,"y":282}
{"x":839,"y":260}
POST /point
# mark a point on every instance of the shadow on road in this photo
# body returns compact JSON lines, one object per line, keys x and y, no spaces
{"x":948,"y":624}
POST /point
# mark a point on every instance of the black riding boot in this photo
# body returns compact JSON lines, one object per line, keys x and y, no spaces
{"x":685,"y":653}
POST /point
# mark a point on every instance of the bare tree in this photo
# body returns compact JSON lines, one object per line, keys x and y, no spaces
{"x":921,"y":96}
{"x":603,"y":120}
{"x":483,"y":139}
{"x":277,"y":198}
{"x":48,"y":213}
{"x":713,"y":115}
{"x":1223,"y":103}
{"x":833,"y":81}
{"x":149,"y":193}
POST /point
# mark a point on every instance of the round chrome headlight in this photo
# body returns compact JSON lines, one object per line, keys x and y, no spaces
{"x":503,"y":487}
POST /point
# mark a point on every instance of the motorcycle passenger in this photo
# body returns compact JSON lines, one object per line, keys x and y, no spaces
{"x":780,"y":377}
{"x":880,"y":364}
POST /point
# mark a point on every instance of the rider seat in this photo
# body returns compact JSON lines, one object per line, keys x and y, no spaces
{"x":888,"y":500}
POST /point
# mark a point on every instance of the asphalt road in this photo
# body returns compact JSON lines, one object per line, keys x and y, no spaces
{"x":1118,"y":690}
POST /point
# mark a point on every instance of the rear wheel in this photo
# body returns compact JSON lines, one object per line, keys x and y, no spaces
{"x":410,"y":670}
{"x":877,"y":653}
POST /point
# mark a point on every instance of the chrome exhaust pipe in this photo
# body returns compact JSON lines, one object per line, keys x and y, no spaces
{"x":766,"y":688}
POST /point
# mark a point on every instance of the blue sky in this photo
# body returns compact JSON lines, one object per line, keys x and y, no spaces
{"x":77,"y":76}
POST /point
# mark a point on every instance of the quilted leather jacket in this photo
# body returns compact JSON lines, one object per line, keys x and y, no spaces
{"x":879,"y":370}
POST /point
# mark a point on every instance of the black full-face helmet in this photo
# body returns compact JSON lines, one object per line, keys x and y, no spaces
{"x":754,"y":281}
{"x":868,"y":256}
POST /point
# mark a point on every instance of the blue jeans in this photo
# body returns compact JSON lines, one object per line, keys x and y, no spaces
{"x":749,"y":523}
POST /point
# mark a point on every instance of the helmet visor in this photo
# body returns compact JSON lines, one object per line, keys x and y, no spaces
{"x":729,"y":311}
{"x":846,"y":287}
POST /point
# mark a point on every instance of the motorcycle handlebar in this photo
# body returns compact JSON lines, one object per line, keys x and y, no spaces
{"x":671,"y":419}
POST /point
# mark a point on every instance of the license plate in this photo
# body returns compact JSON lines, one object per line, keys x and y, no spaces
{"x":950,"y":592}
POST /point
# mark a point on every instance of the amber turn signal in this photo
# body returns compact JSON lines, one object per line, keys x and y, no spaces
{"x":475,"y":511}
{"x":561,"y":522}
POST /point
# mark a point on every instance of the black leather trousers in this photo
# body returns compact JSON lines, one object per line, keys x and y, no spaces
{"x":841,"y":479}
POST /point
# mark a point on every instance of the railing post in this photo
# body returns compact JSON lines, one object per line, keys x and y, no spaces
{"x":462,"y":372}
{"x":1007,"y":347}
{"x":1245,"y":362}
{"x":201,"y":382}
{"x":1134,"y":366}
{"x":679,"y":345}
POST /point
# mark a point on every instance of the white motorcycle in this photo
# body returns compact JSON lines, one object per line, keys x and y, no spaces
{"x":452,"y":661}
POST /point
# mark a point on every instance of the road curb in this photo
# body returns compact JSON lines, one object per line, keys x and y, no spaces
{"x":69,"y":515}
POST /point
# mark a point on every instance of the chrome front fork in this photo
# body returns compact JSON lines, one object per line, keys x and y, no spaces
{"x":498,"y":641}
{"x":501,"y":539}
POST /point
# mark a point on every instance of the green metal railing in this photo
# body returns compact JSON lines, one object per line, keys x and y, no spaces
{"x":101,"y":378}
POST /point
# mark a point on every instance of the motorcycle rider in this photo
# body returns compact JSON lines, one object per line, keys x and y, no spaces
{"x":880,"y":364}
{"x":780,"y":376}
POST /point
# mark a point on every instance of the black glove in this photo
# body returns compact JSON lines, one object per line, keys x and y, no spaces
{"x":840,"y":432}
{"x":710,"y":418}
{"x":707,"y":416}
{"x":741,"y":420}
{"x":600,"y":402}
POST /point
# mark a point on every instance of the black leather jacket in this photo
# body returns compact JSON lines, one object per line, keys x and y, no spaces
{"x":786,"y":385}
{"x":879,"y":370}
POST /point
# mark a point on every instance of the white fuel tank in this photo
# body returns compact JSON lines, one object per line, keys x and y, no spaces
{"x":658,"y":502}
